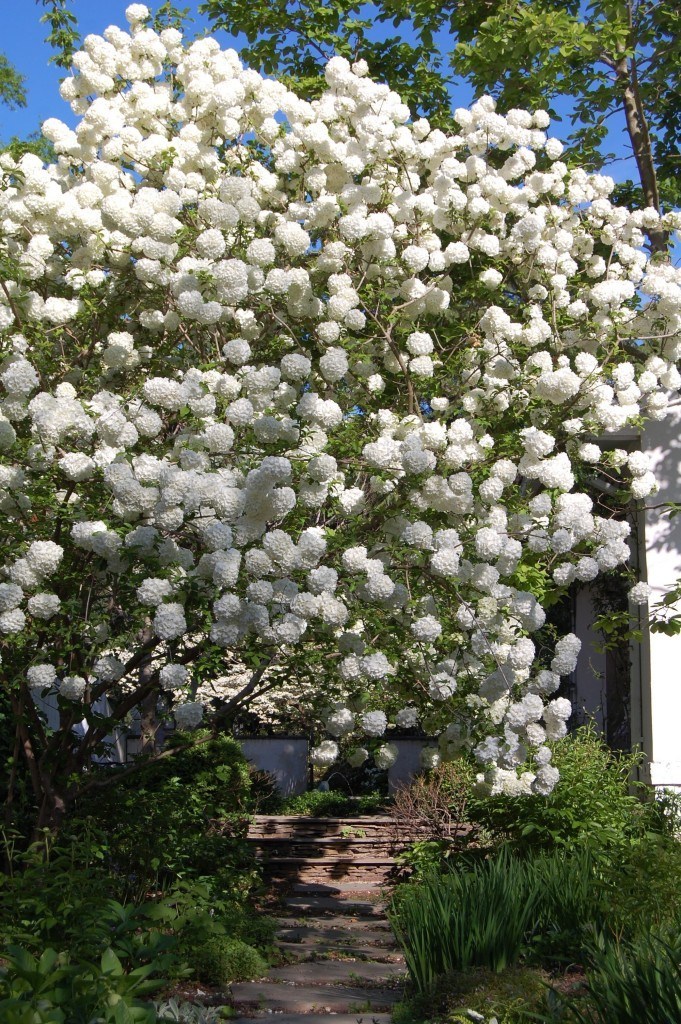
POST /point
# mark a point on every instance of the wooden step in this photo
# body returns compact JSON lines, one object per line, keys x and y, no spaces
{"x":264,"y":825}
{"x":360,"y":1017}
{"x":309,"y":935}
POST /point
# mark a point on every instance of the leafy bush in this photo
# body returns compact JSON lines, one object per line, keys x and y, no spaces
{"x":641,"y":887}
{"x":219,"y":959}
{"x":592,"y":804}
{"x":58,"y":989}
{"x":64,"y":900}
{"x":181,"y":815}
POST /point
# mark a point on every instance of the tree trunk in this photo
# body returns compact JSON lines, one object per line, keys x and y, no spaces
{"x":149,"y":719}
{"x":637,"y":127}
{"x":148,"y":724}
{"x":51,"y":814}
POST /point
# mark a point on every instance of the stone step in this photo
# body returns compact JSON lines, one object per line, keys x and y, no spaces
{"x":299,"y":826}
{"x":313,"y":904}
{"x":308,"y":999}
{"x":335,"y":888}
{"x":355,"y":878}
{"x":362,"y":819}
{"x":306,"y":936}
{"x":340,"y":922}
{"x":329,"y":860}
{"x":320,"y":1018}
{"x":320,"y":841}
{"x":336,"y":972}
{"x":338,"y":951}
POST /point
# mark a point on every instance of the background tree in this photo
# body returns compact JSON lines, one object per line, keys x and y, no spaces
{"x":618,"y":62}
{"x":12,"y":85}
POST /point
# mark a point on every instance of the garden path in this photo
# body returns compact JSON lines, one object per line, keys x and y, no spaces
{"x":331,"y":875}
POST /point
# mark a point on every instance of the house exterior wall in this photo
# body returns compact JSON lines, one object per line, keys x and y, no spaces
{"x":659,"y":698}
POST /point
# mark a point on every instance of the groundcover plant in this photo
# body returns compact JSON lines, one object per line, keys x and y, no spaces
{"x":309,"y":382}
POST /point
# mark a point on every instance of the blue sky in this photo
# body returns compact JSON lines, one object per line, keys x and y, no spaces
{"x":23,"y":43}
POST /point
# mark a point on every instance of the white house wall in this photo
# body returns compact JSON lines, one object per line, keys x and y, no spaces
{"x":660,"y":696}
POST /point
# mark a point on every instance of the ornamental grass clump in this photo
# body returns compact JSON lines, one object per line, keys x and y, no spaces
{"x":545,"y":907}
{"x":454,"y":921}
{"x":636,"y":982}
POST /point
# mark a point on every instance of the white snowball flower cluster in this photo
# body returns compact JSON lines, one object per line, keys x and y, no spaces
{"x":188,"y":715}
{"x":373,"y":723}
{"x":325,"y":754}
{"x":386,"y":755}
{"x":318,"y":407}
{"x":640,"y":593}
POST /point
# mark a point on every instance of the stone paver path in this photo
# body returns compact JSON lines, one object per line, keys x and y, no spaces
{"x":343,"y":961}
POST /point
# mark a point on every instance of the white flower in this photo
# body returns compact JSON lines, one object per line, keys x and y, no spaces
{"x":43,"y":606}
{"x":340,"y":721}
{"x":152,"y":591}
{"x":72,"y":688}
{"x":565,"y":658}
{"x":430,"y":757}
{"x":44,"y":556}
{"x":386,"y":755}
{"x":11,"y":596}
{"x":41,"y":676}
{"x":189,"y":715}
{"x":373,"y":723}
{"x":333,"y":365}
{"x":12,"y":621}
{"x":426,"y":629}
{"x":325,"y":754}
{"x":136,"y":12}
{"x":172,"y":677}
{"x":491,"y":278}
{"x":77,"y":466}
{"x":169,"y":622}
{"x":640,"y":593}
{"x":108,"y":669}
{"x":407,"y":718}
{"x":357,"y":757}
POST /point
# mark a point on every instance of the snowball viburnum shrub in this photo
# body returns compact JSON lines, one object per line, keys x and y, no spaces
{"x":254,"y":394}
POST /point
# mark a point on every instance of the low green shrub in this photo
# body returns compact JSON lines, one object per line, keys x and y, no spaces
{"x":58,"y":989}
{"x":512,"y":997}
{"x":594,"y":804}
{"x":333,"y":804}
{"x":644,"y":891}
{"x":172,"y":1012}
{"x":174,"y":817}
{"x":219,"y":959}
